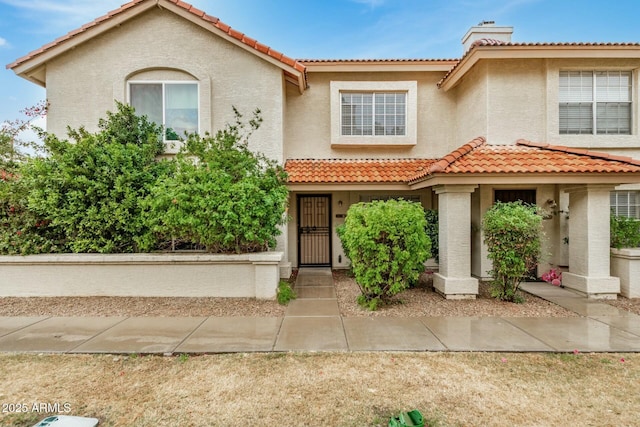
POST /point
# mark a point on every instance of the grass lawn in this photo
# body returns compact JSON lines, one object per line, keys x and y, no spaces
{"x":324,"y":389}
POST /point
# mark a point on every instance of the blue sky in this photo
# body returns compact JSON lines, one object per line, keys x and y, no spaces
{"x":330,"y":28}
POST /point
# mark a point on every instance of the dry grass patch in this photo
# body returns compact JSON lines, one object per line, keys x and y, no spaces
{"x":328,"y":389}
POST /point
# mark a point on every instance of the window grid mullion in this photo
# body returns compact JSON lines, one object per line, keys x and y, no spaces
{"x":594,"y":104}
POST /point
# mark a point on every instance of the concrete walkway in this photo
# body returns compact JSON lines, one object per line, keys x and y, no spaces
{"x":313,"y":323}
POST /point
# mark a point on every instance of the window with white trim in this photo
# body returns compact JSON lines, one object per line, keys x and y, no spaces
{"x":595,"y":102}
{"x":174,"y":105}
{"x":625,"y":203}
{"x":373,"y":113}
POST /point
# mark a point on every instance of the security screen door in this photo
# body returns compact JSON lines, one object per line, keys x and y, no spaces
{"x":314,"y":230}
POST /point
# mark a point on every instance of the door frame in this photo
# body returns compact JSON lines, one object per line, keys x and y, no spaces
{"x":299,"y":198}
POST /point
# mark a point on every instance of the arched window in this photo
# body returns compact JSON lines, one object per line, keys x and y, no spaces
{"x":169,"y":98}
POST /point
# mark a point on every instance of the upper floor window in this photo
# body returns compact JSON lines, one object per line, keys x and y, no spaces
{"x":174,"y":105}
{"x":373,"y":113}
{"x":595,"y":102}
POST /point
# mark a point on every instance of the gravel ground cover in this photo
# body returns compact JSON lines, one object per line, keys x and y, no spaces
{"x":415,"y":302}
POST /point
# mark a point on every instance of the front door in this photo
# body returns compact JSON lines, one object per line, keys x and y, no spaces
{"x":527,"y":197}
{"x":314,"y":230}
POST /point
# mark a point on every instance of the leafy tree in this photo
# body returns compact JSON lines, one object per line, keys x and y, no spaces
{"x":387,"y":245}
{"x":22,"y":231}
{"x":14,"y":149}
{"x":222,"y":196}
{"x":512,"y":233}
{"x":90,"y":189}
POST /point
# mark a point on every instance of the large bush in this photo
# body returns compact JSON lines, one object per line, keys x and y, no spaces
{"x":222,"y":196}
{"x":625,"y":232}
{"x":512,"y":233}
{"x":87,"y":191}
{"x":387,"y":245}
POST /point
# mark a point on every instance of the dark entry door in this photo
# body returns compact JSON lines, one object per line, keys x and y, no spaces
{"x":314,"y":230}
{"x":526,"y":196}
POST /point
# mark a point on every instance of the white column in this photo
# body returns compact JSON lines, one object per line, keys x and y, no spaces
{"x":589,"y":240}
{"x":453,"y":279}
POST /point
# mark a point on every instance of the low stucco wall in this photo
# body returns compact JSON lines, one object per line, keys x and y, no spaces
{"x":143,"y":275}
{"x":625,"y":264}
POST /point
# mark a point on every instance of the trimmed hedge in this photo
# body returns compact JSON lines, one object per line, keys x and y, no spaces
{"x":387,"y":245}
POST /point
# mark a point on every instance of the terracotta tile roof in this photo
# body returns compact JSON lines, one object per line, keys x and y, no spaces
{"x":373,"y":60}
{"x":486,"y":42}
{"x":213,"y":21}
{"x":315,"y":171}
{"x":477,"y":157}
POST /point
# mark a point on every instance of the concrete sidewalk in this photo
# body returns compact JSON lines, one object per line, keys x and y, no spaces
{"x":313,"y":323}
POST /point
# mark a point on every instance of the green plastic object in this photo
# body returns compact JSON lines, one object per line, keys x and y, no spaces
{"x":407,"y":419}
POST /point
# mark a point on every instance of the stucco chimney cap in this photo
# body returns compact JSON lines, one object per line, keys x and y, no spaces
{"x":486,"y":30}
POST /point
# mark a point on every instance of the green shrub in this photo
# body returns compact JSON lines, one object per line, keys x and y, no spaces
{"x":222,"y":196}
{"x":387,"y":245}
{"x":285,"y":293}
{"x":88,"y":191}
{"x":431,"y":215}
{"x":23,"y":231}
{"x":625,"y":232}
{"x":512,"y":233}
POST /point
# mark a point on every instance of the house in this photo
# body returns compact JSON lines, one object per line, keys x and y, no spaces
{"x":553,"y":124}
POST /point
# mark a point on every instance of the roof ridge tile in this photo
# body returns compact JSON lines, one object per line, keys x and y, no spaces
{"x":450,"y":158}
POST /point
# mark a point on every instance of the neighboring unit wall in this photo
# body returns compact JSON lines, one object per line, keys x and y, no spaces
{"x":308,"y":119}
{"x":83,"y":83}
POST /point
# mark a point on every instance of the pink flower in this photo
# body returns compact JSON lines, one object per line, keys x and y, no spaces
{"x":576,"y":351}
{"x":555,"y":282}
{"x":622,"y":360}
{"x":503,"y":360}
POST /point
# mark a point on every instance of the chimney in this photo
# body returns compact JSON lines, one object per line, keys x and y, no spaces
{"x":486,"y":30}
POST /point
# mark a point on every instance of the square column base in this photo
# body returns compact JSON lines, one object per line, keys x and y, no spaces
{"x":592,"y":287}
{"x":455,"y":287}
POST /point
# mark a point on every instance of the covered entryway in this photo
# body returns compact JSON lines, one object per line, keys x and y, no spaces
{"x":314,"y":230}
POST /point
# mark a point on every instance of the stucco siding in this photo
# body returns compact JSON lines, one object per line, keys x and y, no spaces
{"x":308,"y":119}
{"x":83,"y":83}
{"x":516,"y":101}
{"x":471,"y":107}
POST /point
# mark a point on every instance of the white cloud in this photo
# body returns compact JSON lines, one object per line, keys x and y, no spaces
{"x":3,"y":42}
{"x":371,"y":3}
{"x":56,"y":14}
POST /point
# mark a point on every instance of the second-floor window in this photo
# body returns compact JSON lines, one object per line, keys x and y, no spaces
{"x":595,"y":102}
{"x":373,"y":113}
{"x":173,"y":105}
